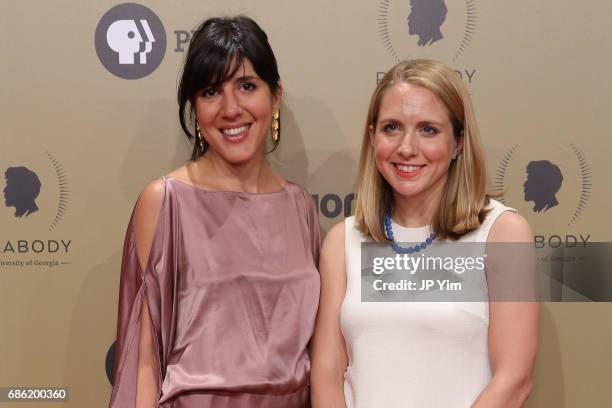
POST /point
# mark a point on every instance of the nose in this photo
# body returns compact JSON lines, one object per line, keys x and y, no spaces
{"x":408,"y":146}
{"x":231,"y":105}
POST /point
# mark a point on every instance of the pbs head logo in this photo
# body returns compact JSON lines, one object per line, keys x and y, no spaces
{"x":130,"y":41}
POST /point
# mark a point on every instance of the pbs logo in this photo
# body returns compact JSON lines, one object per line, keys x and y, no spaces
{"x":130,"y":41}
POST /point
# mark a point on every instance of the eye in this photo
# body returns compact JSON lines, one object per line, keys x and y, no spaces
{"x":248,"y":86}
{"x":390,"y":127}
{"x":209,"y":92}
{"x":429,"y":130}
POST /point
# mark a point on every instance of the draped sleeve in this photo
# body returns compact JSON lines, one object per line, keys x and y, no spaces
{"x":156,"y":285}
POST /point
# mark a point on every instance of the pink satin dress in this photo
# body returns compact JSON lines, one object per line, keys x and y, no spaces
{"x":232,"y":290}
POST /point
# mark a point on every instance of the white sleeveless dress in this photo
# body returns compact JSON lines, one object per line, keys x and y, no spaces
{"x":413,"y":354}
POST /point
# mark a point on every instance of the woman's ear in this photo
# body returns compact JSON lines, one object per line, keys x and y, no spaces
{"x":276,"y":98}
{"x":371,"y":134}
{"x":459,"y":146}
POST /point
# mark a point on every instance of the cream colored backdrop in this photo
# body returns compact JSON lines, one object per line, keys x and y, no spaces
{"x":539,"y":73}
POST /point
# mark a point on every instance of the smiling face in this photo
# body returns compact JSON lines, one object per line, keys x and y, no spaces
{"x":235,"y":117}
{"x":413,"y":142}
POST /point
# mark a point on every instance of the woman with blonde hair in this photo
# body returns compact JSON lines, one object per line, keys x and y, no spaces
{"x":422,"y":179}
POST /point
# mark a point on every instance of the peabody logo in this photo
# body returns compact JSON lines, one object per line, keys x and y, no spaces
{"x":427,"y":28}
{"x":23,"y":187}
{"x":560,"y":186}
{"x":36,"y":198}
{"x":544,"y":180}
{"x":130,"y":41}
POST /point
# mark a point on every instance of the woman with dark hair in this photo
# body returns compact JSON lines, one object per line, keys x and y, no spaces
{"x":422,"y":181}
{"x":219,"y":286}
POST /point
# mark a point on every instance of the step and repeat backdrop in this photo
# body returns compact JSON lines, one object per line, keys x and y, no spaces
{"x":88,"y":118}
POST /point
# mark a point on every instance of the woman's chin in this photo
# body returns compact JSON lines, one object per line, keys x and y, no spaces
{"x":408,"y":190}
{"x":406,"y":194}
{"x":239,"y":156}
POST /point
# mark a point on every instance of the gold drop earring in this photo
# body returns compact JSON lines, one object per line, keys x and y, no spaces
{"x":199,"y":139}
{"x":275,"y":126}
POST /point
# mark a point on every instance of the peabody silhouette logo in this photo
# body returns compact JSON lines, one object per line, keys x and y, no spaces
{"x":544,"y":182}
{"x":23,"y":186}
{"x":22,"y":189}
{"x":130,"y":41}
{"x":427,"y":28}
{"x":425,"y":19}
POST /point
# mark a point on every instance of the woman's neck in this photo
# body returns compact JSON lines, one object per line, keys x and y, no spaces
{"x":416,"y":211}
{"x":252,"y":176}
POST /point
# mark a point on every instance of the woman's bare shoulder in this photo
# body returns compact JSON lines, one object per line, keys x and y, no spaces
{"x":335,"y":236}
{"x":151,"y":197}
{"x":332,"y":251}
{"x":510,"y":227}
{"x":146,"y":214}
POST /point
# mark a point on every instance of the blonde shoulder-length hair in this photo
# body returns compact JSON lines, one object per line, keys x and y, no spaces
{"x":462,"y":207}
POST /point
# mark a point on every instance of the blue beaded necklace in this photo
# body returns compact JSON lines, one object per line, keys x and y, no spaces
{"x":399,"y":249}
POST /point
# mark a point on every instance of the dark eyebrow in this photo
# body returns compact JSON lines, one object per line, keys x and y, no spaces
{"x":247,"y":78}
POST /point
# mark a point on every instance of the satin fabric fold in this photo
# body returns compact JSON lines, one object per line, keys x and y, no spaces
{"x":232,"y":289}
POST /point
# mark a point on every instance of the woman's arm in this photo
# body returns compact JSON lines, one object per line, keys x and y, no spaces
{"x":513,"y":325}
{"x":329,"y":359}
{"x":145,"y":222}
